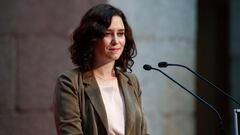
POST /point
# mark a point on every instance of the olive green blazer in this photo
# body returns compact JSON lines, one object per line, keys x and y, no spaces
{"x":79,"y":107}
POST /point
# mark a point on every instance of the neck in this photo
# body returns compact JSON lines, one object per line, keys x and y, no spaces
{"x":105,"y":71}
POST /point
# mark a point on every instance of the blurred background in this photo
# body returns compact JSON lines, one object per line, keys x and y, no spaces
{"x":201,"y":34}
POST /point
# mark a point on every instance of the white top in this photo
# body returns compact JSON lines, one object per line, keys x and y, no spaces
{"x":114,"y":106}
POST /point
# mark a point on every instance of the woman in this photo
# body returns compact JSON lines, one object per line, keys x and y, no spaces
{"x":100,"y":97}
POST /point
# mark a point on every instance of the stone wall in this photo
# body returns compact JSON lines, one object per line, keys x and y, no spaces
{"x":34,"y":37}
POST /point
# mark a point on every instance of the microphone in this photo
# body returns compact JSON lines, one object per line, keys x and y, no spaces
{"x":165,"y":64}
{"x":147,"y":67}
{"x":221,"y":126}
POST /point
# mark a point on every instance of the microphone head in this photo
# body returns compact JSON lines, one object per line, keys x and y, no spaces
{"x":147,"y":67}
{"x":162,"y":64}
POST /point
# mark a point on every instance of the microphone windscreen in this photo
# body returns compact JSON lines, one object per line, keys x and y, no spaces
{"x":147,"y":67}
{"x":162,"y":64}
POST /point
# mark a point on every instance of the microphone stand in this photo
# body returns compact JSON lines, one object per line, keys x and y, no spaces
{"x":165,"y":64}
{"x":221,"y":125}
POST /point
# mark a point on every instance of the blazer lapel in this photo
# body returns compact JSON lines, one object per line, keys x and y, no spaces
{"x":126,"y":87}
{"x":94,"y":94}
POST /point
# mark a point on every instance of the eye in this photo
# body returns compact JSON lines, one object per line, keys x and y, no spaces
{"x":108,"y":33}
{"x":121,"y":33}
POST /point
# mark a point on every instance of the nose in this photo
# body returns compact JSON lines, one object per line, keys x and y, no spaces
{"x":115,"y":39}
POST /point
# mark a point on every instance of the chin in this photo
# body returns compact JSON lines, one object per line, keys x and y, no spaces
{"x":115,"y":57}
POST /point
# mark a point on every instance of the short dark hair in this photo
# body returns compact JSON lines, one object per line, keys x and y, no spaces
{"x":91,"y":30}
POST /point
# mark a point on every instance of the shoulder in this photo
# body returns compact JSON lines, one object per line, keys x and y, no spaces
{"x":133,"y":80}
{"x":131,"y":77}
{"x":71,"y":73}
{"x":69,"y":77}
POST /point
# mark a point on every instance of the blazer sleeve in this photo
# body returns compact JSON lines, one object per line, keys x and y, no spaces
{"x":66,"y":103}
{"x":139,"y":97}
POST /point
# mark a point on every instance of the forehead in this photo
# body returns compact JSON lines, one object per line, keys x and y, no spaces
{"x":116,"y":23}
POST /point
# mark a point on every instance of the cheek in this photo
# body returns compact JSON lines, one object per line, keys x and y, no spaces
{"x":106,"y":42}
{"x":123,"y":41}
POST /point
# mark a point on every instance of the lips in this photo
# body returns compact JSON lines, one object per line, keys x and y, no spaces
{"x":114,"y":49}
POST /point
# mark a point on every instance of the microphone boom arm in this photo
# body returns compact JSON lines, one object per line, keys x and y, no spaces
{"x":221,"y":125}
{"x":206,"y":81}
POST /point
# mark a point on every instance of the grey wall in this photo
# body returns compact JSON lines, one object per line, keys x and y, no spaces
{"x":165,"y":30}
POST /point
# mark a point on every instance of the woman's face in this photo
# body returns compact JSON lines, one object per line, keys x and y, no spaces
{"x":111,"y":46}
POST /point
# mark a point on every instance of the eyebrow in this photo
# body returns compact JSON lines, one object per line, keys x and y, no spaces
{"x":118,"y":30}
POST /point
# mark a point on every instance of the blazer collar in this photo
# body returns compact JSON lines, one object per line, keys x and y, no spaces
{"x":94,"y":94}
{"x":129,"y":99}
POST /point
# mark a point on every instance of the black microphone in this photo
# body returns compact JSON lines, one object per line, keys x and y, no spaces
{"x":221,"y":126}
{"x":147,"y":67}
{"x":165,"y":64}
